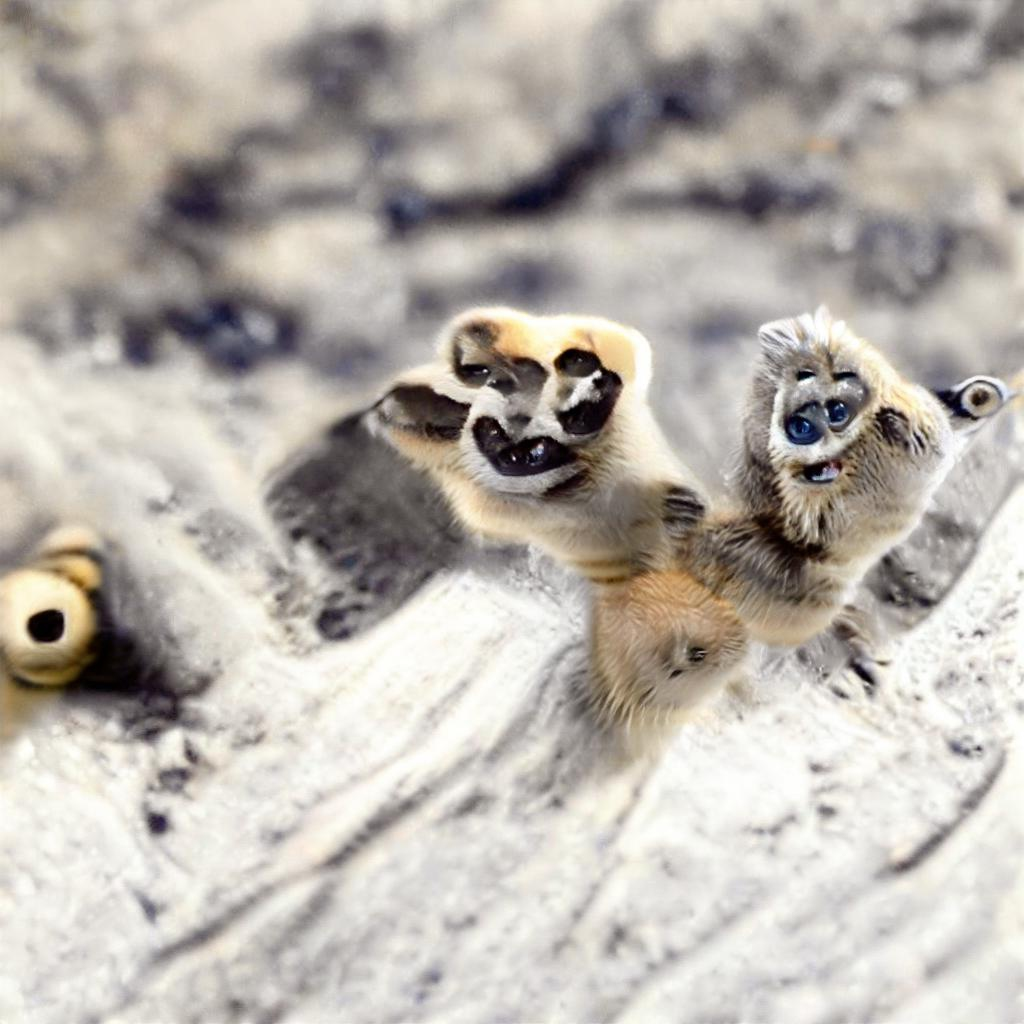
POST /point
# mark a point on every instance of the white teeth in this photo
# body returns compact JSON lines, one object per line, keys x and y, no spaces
{"x":825,"y":473}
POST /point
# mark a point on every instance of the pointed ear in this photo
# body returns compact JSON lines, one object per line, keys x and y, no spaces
{"x":422,"y":411}
{"x":643,"y":361}
{"x":419,"y":409}
{"x":779,"y":336}
{"x":826,"y":328}
{"x":477,"y":329}
{"x":780,"y":339}
{"x":625,"y":351}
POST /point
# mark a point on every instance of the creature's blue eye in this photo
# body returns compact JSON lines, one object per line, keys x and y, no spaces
{"x":838,"y":412}
{"x":804,"y":374}
{"x":800,"y":430}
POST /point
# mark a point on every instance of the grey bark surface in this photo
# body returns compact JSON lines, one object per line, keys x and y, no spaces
{"x":353,"y":780}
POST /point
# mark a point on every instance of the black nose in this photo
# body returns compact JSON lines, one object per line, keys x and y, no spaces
{"x":46,"y":627}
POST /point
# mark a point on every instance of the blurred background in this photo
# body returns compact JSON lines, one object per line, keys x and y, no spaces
{"x":254,"y":180}
{"x":360,"y":787}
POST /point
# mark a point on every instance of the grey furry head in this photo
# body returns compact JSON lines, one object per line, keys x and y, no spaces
{"x":821,"y":427}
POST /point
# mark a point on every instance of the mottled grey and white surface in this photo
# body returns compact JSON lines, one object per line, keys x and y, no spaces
{"x":355,"y":782}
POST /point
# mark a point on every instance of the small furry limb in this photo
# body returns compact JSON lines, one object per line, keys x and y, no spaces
{"x":660,"y":644}
{"x":683,"y":510}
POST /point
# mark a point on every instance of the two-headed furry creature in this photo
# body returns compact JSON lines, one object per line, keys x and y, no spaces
{"x":537,"y":429}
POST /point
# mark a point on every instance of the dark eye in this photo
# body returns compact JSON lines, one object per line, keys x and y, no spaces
{"x":838,"y":412}
{"x":503,"y":383}
{"x":475,"y":374}
{"x":577,"y":363}
{"x":976,"y":397}
{"x":48,"y":623}
{"x":46,"y":627}
{"x":804,"y":374}
{"x":981,"y":399}
{"x":800,"y":430}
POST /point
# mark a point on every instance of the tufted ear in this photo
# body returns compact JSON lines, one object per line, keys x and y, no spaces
{"x":476,"y":330}
{"x":781,"y":339}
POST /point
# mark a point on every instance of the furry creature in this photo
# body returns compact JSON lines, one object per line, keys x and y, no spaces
{"x":840,"y":458}
{"x":537,"y":429}
{"x":841,"y":455}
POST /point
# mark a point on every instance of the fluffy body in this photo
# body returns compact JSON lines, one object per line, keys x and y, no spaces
{"x":840,"y":457}
{"x":811,"y":518}
{"x":661,"y":643}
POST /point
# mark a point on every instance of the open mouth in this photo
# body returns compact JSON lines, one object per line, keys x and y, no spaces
{"x":823,"y":472}
{"x":521,"y":458}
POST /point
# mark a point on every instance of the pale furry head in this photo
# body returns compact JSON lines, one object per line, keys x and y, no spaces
{"x":518,"y":405}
